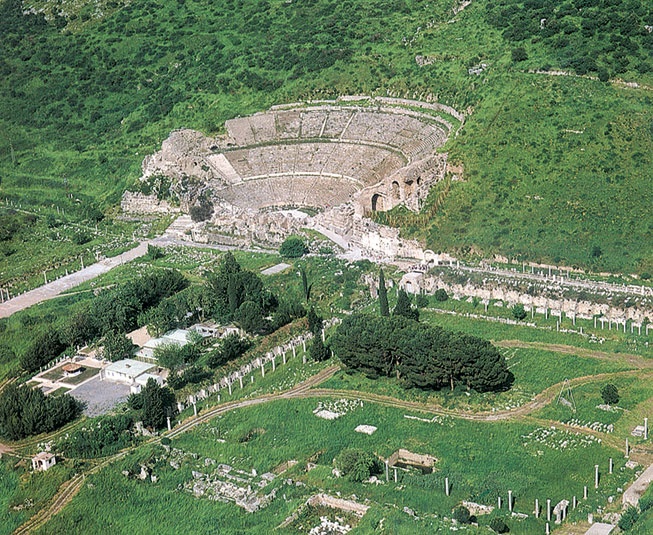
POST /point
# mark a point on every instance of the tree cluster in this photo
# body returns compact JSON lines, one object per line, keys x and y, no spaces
{"x":113,"y":313}
{"x":231,"y":347}
{"x":154,"y":404}
{"x":236,"y":294}
{"x":584,"y":35}
{"x":105,"y":436}
{"x":26,"y":411}
{"x":422,"y":356}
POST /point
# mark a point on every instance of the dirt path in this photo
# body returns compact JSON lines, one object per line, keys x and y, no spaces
{"x":307,"y":390}
{"x":70,"y":488}
{"x":54,"y":288}
{"x":634,"y":360}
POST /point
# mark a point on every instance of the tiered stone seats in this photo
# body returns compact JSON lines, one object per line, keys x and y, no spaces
{"x":297,"y":190}
{"x":289,"y":124}
{"x":264,"y":127}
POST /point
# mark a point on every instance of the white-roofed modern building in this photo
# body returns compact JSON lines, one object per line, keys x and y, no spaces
{"x":130,"y":372}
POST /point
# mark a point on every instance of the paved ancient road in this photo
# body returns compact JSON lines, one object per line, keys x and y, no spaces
{"x":54,"y":288}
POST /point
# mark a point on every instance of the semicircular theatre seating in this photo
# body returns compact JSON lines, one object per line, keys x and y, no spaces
{"x":413,"y":136}
{"x":364,"y":164}
{"x":316,"y":191}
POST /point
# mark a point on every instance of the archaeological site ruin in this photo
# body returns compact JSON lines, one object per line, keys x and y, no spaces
{"x":325,"y":165}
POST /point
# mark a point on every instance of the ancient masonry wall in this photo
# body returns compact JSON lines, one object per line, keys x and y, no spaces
{"x":580,"y":308}
{"x":138,"y":203}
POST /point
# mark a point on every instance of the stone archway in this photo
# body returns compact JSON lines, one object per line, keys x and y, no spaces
{"x":377,"y":203}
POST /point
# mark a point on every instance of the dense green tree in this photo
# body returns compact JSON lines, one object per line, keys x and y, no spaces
{"x":404,"y":307}
{"x":154,"y":403}
{"x":441,"y":295}
{"x":7,"y":354}
{"x":116,"y":346}
{"x":484,"y":368}
{"x":25,"y":411}
{"x":422,"y":355}
{"x":420,"y":364}
{"x":190,"y":375}
{"x":251,"y":318}
{"x":105,"y":436}
{"x":628,"y":518}
{"x":288,"y":310}
{"x":357,"y":465}
{"x":318,"y":351}
{"x":230,"y":286}
{"x":174,"y":356}
{"x":610,"y":394}
{"x":315,"y":322}
{"x":231,"y":347}
{"x":357,"y":345}
{"x":293,"y":247}
{"x":384,"y":309}
{"x":306,"y":287}
{"x":81,"y":328}
{"x":42,"y":350}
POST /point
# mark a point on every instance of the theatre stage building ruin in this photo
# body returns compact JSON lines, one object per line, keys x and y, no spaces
{"x":335,"y":160}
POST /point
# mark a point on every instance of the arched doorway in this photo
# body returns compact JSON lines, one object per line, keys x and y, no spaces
{"x":377,"y":203}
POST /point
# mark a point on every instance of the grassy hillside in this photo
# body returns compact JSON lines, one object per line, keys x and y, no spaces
{"x":86,"y":92}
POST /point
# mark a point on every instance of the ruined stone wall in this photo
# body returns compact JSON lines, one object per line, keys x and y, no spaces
{"x":138,"y":203}
{"x":581,"y":308}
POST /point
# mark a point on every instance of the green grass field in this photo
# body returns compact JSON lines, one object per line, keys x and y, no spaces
{"x":23,"y":493}
{"x":288,"y":430}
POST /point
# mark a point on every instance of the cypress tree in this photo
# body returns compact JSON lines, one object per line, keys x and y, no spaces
{"x":383,"y":295}
{"x":404,"y":308}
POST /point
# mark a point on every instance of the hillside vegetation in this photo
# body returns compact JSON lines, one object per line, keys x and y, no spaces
{"x":556,"y":167}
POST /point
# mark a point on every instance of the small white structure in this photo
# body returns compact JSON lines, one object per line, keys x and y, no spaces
{"x":43,"y":461}
{"x":72,"y":369}
{"x":142,"y":380}
{"x":210,"y":329}
{"x":367,"y":429}
{"x":178,"y":337}
{"x":638,"y":431}
{"x":125,"y":371}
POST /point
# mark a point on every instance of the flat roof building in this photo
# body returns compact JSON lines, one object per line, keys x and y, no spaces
{"x":125,"y":371}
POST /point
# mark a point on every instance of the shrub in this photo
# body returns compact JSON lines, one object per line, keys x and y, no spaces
{"x":628,"y":518}
{"x":293,"y":247}
{"x":499,"y":526}
{"x":462,"y":515}
{"x":81,"y":238}
{"x":519,"y":54}
{"x":441,"y":295}
{"x":357,"y":465}
{"x":610,"y":394}
{"x":518,"y":312}
{"x":202,"y":211}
